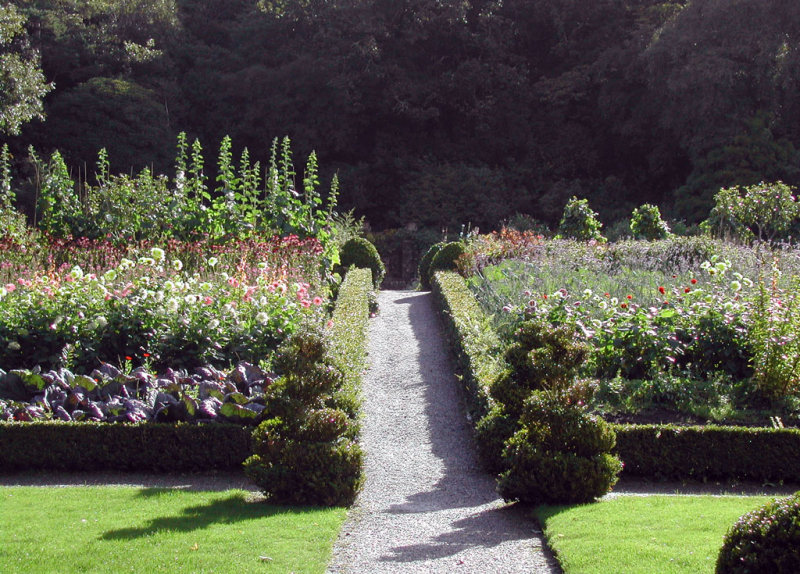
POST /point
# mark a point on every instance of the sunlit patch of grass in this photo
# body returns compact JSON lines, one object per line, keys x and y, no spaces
{"x":122,"y":529}
{"x":643,"y":534}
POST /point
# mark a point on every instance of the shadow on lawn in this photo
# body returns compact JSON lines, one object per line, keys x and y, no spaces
{"x":238,"y":507}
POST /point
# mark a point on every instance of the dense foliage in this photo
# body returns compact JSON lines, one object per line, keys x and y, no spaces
{"x":362,"y":254}
{"x":765,"y":540}
{"x":437,"y":112}
{"x":688,"y":325}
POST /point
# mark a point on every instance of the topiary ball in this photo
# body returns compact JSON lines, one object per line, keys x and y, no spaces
{"x":560,"y":455}
{"x":446,"y":258}
{"x":764,"y":541}
{"x":361,"y":253}
{"x":425,"y":264}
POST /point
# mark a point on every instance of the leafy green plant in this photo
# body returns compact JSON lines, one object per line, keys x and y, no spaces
{"x":446,"y":258}
{"x":646,"y":223}
{"x":764,"y":540}
{"x":579,"y":222}
{"x":361,"y":253}
{"x":542,"y":357}
{"x":306,"y":451}
{"x":775,"y":337}
{"x":764,"y":212}
{"x":561,"y":454}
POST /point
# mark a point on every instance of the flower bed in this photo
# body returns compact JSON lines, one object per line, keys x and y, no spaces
{"x":695,"y":327}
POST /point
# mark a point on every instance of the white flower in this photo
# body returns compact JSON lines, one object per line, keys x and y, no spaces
{"x":262,"y":318}
{"x":173,"y":305}
{"x":147,"y":261}
{"x":262,"y":265}
{"x":212,"y":261}
{"x":158,"y":254}
{"x":14,"y":346}
{"x":125,"y":264}
{"x":109,"y":275}
{"x":190,"y":299}
{"x":213,"y":324}
{"x":587,"y":293}
{"x":177,"y":264}
{"x":736,"y":285}
{"x":76,"y":272}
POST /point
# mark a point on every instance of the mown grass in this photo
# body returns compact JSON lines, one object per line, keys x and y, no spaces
{"x":123,"y":529}
{"x":643,"y":534}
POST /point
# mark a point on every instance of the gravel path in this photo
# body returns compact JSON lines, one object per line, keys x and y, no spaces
{"x":427,"y":506}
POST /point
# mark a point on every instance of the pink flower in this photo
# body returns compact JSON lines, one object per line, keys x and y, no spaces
{"x":305,"y":303}
{"x":11,"y":287}
{"x":317,"y":301}
{"x":208,"y":300}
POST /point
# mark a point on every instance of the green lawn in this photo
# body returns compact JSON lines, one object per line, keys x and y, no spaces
{"x":643,"y":534}
{"x":123,"y":529}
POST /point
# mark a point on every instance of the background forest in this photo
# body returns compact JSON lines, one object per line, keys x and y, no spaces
{"x":433,"y":112}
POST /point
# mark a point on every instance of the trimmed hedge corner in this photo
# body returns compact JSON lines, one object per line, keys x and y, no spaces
{"x":471,"y":337}
{"x":140,"y":447}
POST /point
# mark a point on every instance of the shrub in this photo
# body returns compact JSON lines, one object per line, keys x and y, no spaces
{"x":140,"y":447}
{"x":765,"y":212}
{"x":313,"y":460}
{"x":579,"y":222}
{"x":361,"y":253}
{"x":541,"y":357}
{"x":766,"y":540}
{"x":306,"y":452}
{"x":491,"y":433}
{"x":646,"y":223}
{"x":560,"y":455}
{"x":425,"y":264}
{"x":446,"y":258}
{"x":472,"y":339}
{"x":347,"y":335}
{"x":709,"y":452}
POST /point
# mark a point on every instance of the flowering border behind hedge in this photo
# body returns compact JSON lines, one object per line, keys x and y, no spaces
{"x":652,"y":451}
{"x":154,"y":447}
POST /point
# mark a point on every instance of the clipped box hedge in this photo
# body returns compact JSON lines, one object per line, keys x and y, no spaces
{"x":651,"y":451}
{"x":181,"y":447}
{"x":471,"y":338}
{"x":140,"y":447}
{"x":709,"y":452}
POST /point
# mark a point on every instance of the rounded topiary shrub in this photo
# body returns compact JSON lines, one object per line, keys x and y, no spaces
{"x":764,"y":541}
{"x":445,"y":259}
{"x":361,"y":253}
{"x":425,"y":264}
{"x":560,"y":455}
{"x":542,"y":357}
{"x":306,"y":451}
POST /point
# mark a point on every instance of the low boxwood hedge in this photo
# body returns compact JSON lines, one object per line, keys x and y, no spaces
{"x":651,"y":451}
{"x":471,"y":338}
{"x":140,"y":447}
{"x":709,"y":452}
{"x":182,"y":447}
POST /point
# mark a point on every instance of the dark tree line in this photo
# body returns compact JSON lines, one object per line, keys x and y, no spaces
{"x":439,"y":112}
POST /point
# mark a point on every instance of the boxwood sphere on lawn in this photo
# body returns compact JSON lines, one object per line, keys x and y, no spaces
{"x":764,"y":541}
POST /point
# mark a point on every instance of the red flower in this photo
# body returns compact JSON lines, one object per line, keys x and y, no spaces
{"x":624,"y":305}
{"x":687,"y":290}
{"x":127,"y":358}
{"x":629,"y":297}
{"x":661,"y":290}
{"x":694,"y":281}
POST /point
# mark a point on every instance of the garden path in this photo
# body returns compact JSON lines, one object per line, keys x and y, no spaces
{"x":426,"y":506}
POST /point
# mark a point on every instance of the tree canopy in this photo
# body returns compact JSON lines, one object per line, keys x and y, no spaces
{"x":438,"y":112}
